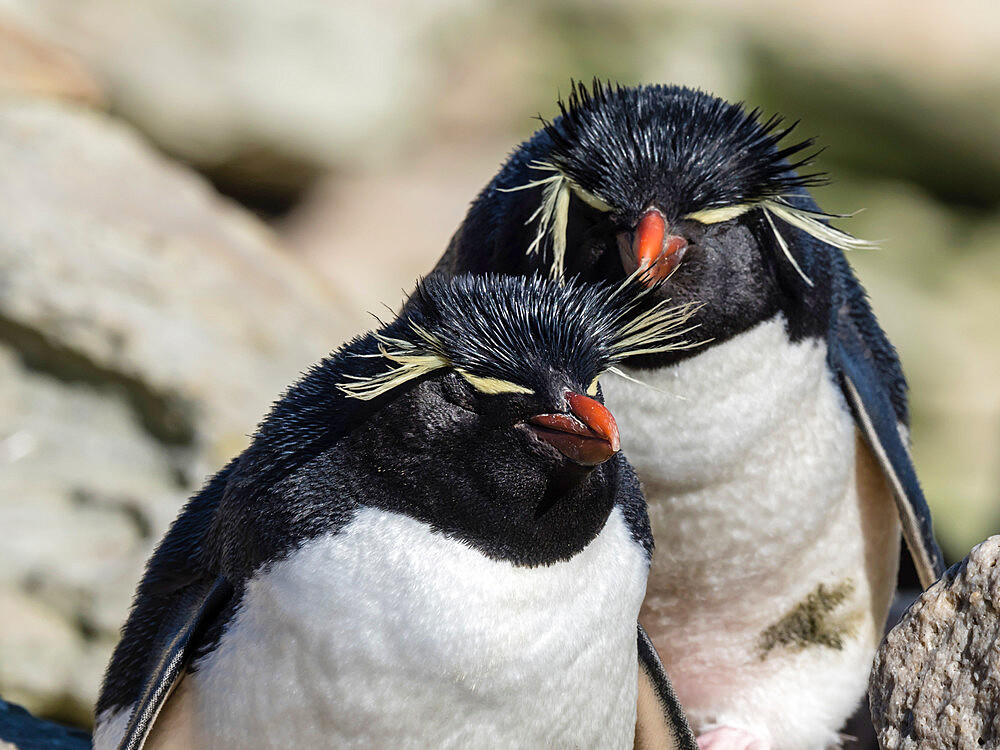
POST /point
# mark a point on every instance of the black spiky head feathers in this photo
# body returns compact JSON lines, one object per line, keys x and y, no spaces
{"x":689,"y":156}
{"x":679,"y":148}
{"x":739,"y":233}
{"x":502,"y":334}
{"x":509,"y":334}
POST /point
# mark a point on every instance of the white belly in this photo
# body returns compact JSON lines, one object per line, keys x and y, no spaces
{"x":760,"y":492}
{"x":388,"y":635}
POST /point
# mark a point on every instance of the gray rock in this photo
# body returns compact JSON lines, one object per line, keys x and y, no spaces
{"x":936,"y":680}
{"x":119,"y":267}
{"x":39,"y":648}
{"x":262,"y":91}
{"x":145,"y":327}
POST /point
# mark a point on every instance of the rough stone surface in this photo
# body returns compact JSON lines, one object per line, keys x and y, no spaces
{"x":936,"y":681}
{"x":402,"y":219}
{"x":145,"y":327}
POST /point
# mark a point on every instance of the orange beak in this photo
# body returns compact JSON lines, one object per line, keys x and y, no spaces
{"x":654,"y":250}
{"x":588,"y":435}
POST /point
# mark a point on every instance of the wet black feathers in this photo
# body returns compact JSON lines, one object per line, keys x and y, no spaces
{"x":520,"y":328}
{"x":517,"y":329}
{"x":631,"y":145}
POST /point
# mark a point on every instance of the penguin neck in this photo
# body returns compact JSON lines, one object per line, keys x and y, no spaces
{"x":495,"y":502}
{"x":318,"y":457}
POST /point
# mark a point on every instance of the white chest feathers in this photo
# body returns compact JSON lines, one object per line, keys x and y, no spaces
{"x":768,"y":512}
{"x":744,"y":451}
{"x":388,"y":635}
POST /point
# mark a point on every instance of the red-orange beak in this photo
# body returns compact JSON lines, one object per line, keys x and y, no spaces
{"x":654,"y":249}
{"x":588,"y":435}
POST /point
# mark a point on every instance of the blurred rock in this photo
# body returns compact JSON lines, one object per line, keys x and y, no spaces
{"x":104,"y":242}
{"x":908,"y":89}
{"x":41,"y":648}
{"x":383,"y":230}
{"x":145,"y":327}
{"x":30,"y":66}
{"x":263,"y":95}
{"x":936,"y":680}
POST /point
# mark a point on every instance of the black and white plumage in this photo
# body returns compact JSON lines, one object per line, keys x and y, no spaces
{"x":771,"y":455}
{"x":430,"y":542}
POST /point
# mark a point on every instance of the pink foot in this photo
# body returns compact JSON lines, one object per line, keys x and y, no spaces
{"x":730,"y":738}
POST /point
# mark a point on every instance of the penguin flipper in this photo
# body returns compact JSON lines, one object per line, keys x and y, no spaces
{"x":862,"y":384}
{"x":20,"y":730}
{"x":660,"y":721}
{"x":180,"y":637}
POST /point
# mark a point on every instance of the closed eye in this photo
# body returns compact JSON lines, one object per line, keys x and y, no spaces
{"x":492,"y":386}
{"x":719,"y":215}
{"x":589,"y":198}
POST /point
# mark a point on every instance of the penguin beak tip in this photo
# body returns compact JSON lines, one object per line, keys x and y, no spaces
{"x":587,"y":435}
{"x":653,"y":249}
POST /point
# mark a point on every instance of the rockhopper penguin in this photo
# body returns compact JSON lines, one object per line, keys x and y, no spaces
{"x":432,"y":542}
{"x":770,"y":456}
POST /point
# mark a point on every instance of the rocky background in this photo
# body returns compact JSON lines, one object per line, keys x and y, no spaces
{"x":199,"y":199}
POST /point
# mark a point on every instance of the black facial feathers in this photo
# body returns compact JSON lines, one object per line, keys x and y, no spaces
{"x":569,"y":200}
{"x":675,"y":147}
{"x":516,"y":329}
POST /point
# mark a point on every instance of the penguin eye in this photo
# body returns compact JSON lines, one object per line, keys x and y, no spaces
{"x":719,"y":215}
{"x":492,"y":386}
{"x":590,"y":199}
{"x":592,"y":388}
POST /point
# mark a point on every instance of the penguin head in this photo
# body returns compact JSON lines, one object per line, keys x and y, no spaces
{"x":699,"y":195}
{"x":480,"y":410}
